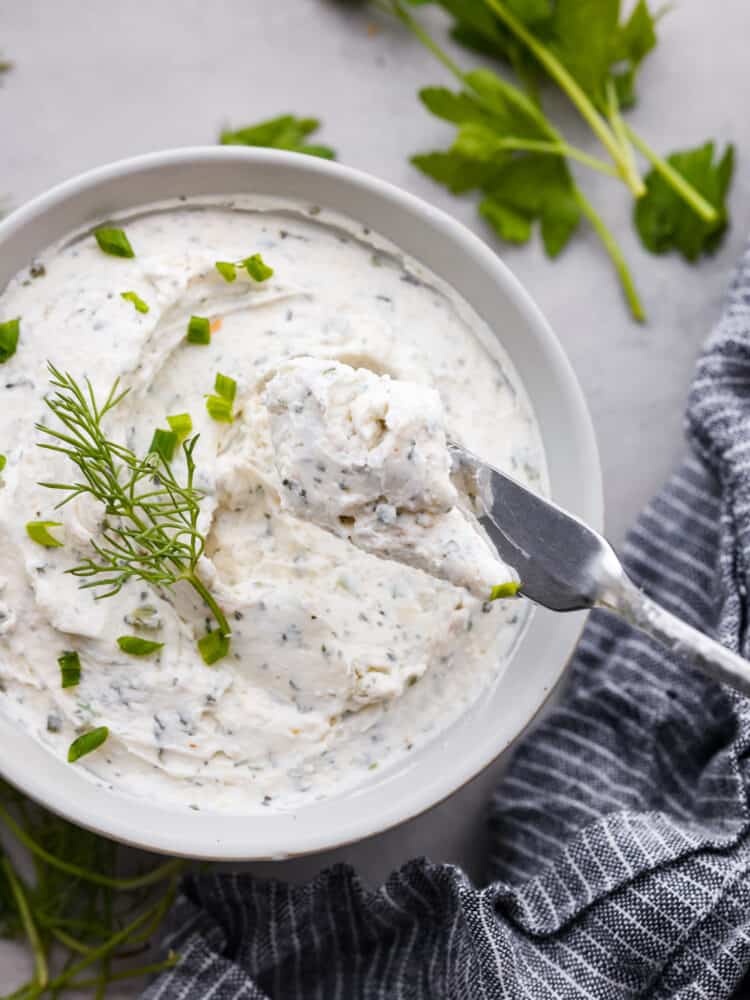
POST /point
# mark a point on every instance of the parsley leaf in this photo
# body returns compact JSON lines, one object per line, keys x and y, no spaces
{"x":532,"y":188}
{"x":284,"y":132}
{"x":665,"y":222}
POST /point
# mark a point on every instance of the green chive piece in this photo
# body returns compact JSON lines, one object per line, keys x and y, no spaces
{"x":87,"y":743}
{"x":257,"y":268}
{"x":199,"y":330}
{"x":181,"y":424}
{"x":38,"y":532}
{"x":137,"y":301}
{"x":9,"y":332}
{"x":504,"y":590}
{"x":3,"y":462}
{"x":163,"y":443}
{"x":70,"y":668}
{"x":225,"y":387}
{"x":113,"y":241}
{"x":219,"y":409}
{"x":135,"y":646}
{"x":226,"y":269}
{"x":213,"y":647}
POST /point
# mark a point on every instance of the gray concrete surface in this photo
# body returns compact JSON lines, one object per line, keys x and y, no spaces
{"x":97,"y":81}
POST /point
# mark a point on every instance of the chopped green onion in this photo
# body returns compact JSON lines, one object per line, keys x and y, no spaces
{"x":113,"y":241}
{"x":3,"y":462}
{"x":504,"y":590}
{"x":163,"y":443}
{"x":70,"y":668}
{"x":199,"y":330}
{"x":181,"y":424}
{"x":257,"y":268}
{"x":87,"y":743}
{"x":225,"y":387}
{"x":37,"y":532}
{"x":9,"y":332}
{"x":135,"y":646}
{"x":213,"y":647}
{"x":226,"y":269}
{"x":219,"y":409}
{"x":137,"y":301}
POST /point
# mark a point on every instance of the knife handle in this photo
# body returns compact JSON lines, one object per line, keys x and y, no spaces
{"x":715,"y":660}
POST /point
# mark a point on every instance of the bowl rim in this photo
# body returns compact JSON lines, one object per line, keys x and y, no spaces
{"x":198,"y":839}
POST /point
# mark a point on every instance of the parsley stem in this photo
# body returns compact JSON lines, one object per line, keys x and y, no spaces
{"x":615,"y":254}
{"x":618,"y":125}
{"x":577,"y":95}
{"x":125,"y":884}
{"x":559,"y":148}
{"x":41,"y":973}
{"x":557,"y":145}
{"x":425,"y":38}
{"x":674,"y":178}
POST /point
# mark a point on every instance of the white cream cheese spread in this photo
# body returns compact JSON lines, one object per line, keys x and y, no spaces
{"x":366,"y":456}
{"x":343,"y":658}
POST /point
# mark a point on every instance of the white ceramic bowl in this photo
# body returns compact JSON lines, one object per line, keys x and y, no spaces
{"x":450,"y":250}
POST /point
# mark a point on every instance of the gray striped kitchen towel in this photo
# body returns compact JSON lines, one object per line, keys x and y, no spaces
{"x":620,"y":861}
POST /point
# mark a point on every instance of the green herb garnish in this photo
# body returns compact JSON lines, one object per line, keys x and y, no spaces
{"x":38,"y":531}
{"x":285,"y":132}
{"x":3,"y":462}
{"x":501,"y":590}
{"x":62,"y":897}
{"x":135,"y":646}
{"x":113,"y":241}
{"x":151,"y":532}
{"x":213,"y":647}
{"x":660,"y":215}
{"x":225,"y":387}
{"x":87,"y":743}
{"x":254,"y":265}
{"x":9,"y":333}
{"x":220,"y":406}
{"x":219,"y":409}
{"x":163,"y":443}
{"x":137,"y":301}
{"x":181,"y":424}
{"x":70,"y":668}
{"x":226,"y":269}
{"x":257,"y":268}
{"x":507,"y":147}
{"x":199,"y":330}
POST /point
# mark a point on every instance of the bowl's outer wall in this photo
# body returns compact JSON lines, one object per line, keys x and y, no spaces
{"x":475,"y":271}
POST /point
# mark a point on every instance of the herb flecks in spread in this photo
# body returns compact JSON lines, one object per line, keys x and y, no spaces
{"x":150,"y":531}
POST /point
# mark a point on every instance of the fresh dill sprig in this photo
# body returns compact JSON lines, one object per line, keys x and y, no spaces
{"x":150,"y":531}
{"x":79,"y":918}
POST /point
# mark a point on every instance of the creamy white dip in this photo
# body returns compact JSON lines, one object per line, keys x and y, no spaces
{"x":342,"y":660}
{"x":366,"y":456}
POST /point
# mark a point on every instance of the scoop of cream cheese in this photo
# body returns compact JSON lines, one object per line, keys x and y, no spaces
{"x":365,"y":456}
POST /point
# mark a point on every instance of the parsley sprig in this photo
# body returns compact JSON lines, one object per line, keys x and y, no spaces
{"x":284,"y":132}
{"x":508,"y":148}
{"x":150,"y":532}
